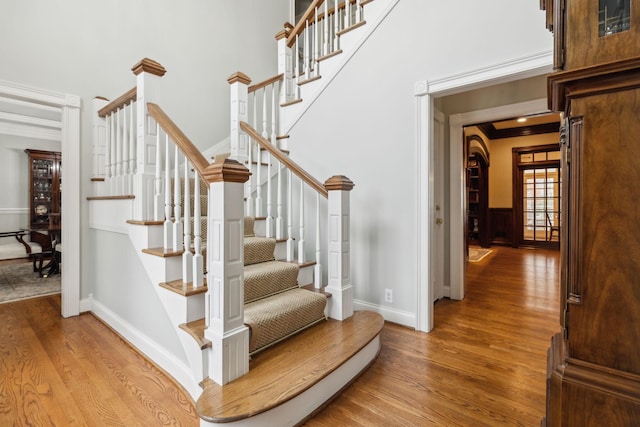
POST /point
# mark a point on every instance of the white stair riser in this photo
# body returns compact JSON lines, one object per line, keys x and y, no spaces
{"x":281,"y":250}
{"x":198,"y":358}
{"x":305,"y":275}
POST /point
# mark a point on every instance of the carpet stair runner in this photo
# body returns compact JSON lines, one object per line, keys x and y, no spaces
{"x":275,"y":306}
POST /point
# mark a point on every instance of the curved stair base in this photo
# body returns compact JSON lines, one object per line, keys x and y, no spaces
{"x":290,"y":382}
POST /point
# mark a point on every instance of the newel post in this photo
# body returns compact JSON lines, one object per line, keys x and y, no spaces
{"x":148,"y":74}
{"x":225,"y":277}
{"x":285,"y":64}
{"x":339,"y":259}
{"x":239,"y":83}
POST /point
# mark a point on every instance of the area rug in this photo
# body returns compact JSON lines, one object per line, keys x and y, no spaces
{"x":477,"y":254}
{"x":18,"y":282}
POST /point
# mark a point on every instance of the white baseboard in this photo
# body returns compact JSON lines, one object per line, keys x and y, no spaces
{"x":86,"y":304}
{"x":403,"y":318}
{"x":151,"y":349}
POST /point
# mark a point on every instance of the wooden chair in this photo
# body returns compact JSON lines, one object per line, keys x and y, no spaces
{"x":552,"y":228}
{"x":52,"y":250}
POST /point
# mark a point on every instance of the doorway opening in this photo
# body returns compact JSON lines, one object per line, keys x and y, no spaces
{"x":537,"y":183}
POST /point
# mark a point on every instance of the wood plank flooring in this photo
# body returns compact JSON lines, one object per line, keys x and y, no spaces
{"x":483,"y":365}
{"x":77,"y":372}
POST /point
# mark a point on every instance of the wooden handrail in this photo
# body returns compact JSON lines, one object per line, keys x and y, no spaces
{"x":179,"y":138}
{"x":300,"y":25}
{"x":282,"y":158}
{"x":129,"y":96}
{"x":309,"y":15}
{"x":265,"y":83}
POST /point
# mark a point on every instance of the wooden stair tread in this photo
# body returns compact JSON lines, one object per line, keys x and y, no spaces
{"x":351,"y":28}
{"x":185,"y":290}
{"x":301,"y":265}
{"x":329,"y":55}
{"x":309,"y":80}
{"x":311,"y":288}
{"x":276,"y":377}
{"x":293,"y":101}
{"x":196,"y":330}
{"x":162,"y":252}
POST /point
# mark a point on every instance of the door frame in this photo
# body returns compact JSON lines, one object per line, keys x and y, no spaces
{"x":69,"y":135}
{"x":518,"y":196}
{"x":425,"y":92}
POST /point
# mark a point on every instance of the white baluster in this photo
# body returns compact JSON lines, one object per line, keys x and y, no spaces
{"x":296,"y":64}
{"x":279,"y":222}
{"x":317,"y":270}
{"x":347,"y":13}
{"x":265,"y":130}
{"x":125,"y":152}
{"x":177,"y":206}
{"x":118,"y":172}
{"x":325,"y":26}
{"x":359,"y":11}
{"x":307,"y":47}
{"x":269,"y":221}
{"x":187,"y":256}
{"x":157,"y":206}
{"x":301,"y":225}
{"x":336,"y":26}
{"x":248,"y":186}
{"x":112,"y":185}
{"x":132,"y":146}
{"x":107,"y":153}
{"x":316,"y":43}
{"x":289,"y":217}
{"x":198,"y":261}
{"x":258,"y":166}
{"x":168,"y":227}
{"x":274,"y":115}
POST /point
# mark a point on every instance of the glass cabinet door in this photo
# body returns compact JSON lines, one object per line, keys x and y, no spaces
{"x":45,"y":182}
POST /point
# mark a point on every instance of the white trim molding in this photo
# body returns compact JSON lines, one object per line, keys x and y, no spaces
{"x":151,"y":349}
{"x":400,"y":317}
{"x":14,"y":211}
{"x":515,"y":69}
{"x":425,"y":92}
{"x":62,"y":123}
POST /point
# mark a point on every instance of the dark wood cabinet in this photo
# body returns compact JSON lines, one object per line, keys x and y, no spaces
{"x":594,"y":363}
{"x":45,"y":187}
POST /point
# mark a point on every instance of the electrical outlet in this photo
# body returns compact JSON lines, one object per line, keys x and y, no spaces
{"x":388,"y":295}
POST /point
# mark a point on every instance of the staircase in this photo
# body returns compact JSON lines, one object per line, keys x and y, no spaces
{"x":275,"y":305}
{"x":235,"y":263}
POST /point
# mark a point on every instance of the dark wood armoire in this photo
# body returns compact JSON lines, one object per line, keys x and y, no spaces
{"x":593,"y":374}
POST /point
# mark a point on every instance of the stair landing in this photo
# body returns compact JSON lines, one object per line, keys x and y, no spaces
{"x":288,"y":383}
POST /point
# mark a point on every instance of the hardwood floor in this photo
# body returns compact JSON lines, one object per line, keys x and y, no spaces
{"x":484,"y":363}
{"x":76,"y":371}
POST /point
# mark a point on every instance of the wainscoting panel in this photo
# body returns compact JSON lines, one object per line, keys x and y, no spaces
{"x":501,"y":226}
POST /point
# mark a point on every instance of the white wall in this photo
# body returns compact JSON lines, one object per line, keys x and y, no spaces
{"x":363,"y":125}
{"x":501,"y":168}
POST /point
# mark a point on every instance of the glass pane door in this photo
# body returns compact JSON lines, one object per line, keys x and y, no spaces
{"x":541,"y":204}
